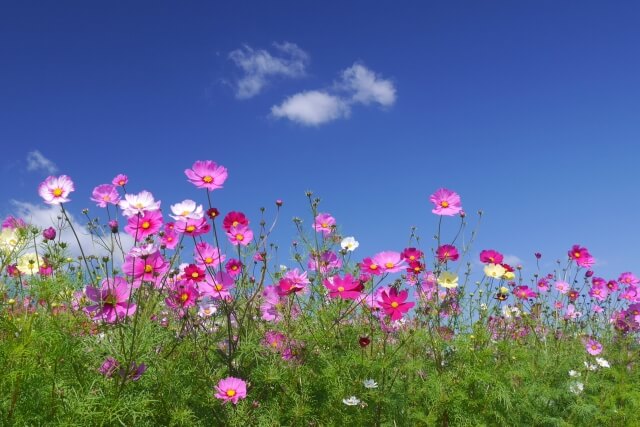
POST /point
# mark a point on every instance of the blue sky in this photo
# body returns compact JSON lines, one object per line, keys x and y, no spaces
{"x":528,"y":109}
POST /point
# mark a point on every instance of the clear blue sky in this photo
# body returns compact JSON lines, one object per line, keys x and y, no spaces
{"x":529,"y":109}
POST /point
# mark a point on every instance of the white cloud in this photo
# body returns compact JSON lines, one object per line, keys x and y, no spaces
{"x":357,"y":85}
{"x":312,"y":108}
{"x":47,"y":216}
{"x":258,"y":66}
{"x":512,"y":260}
{"x":37,"y":162}
{"x":367,"y":87}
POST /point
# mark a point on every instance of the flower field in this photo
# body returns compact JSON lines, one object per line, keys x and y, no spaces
{"x":189,"y":315}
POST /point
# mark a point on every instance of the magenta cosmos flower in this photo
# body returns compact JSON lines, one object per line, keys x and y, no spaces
{"x":489,"y":256}
{"x":112,"y":300}
{"x":182,"y":295}
{"x":324,"y":223}
{"x":55,"y":189}
{"x":524,"y":292}
{"x":394,"y":304}
{"x":207,"y":174}
{"x":231,"y":390}
{"x":581,"y":256}
{"x":345,"y":288}
{"x":105,"y":194}
{"x":593,"y":347}
{"x":446,"y":202}
{"x":140,"y":227}
{"x":120,"y":180}
{"x":446,"y":253}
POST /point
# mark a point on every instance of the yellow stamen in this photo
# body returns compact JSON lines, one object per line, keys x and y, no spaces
{"x":57,"y":192}
{"x":340,"y":288}
{"x":146,"y":225}
{"x":444,"y":204}
{"x":184,"y":297}
{"x":231,"y":393}
{"x":208,"y":179}
{"x":373,"y":266}
{"x":239,"y":237}
{"x":208,"y":260}
{"x":389,"y":265}
{"x":148,"y":268}
{"x":195,"y":274}
{"x":394,"y":304}
{"x":190,"y":228}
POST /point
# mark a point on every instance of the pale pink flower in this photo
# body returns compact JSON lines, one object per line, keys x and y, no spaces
{"x":207,"y":174}
{"x":231,"y":389}
{"x":105,"y":194}
{"x":446,"y":202}
{"x":56,"y":189}
{"x":134,"y":204}
{"x":324,"y":223}
{"x":112,"y":300}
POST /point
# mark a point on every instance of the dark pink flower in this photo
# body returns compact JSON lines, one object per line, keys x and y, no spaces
{"x":183,"y":294}
{"x":142,"y":226}
{"x":581,"y":256}
{"x":489,"y":256}
{"x":49,"y":233}
{"x":524,"y":292}
{"x":446,"y":253}
{"x":112,"y":300}
{"x":234,"y":219}
{"x":233,"y":267}
{"x":120,"y":180}
{"x":394,"y":304}
{"x":343,"y":287}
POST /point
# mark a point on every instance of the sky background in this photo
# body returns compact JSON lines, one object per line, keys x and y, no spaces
{"x":530,"y":110}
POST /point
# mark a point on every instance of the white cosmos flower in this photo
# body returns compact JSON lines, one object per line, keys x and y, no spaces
{"x":510,"y":311}
{"x":145,"y":250}
{"x":574,"y":374}
{"x":187,"y":209}
{"x":370,"y":383}
{"x":576,"y":388}
{"x":29,"y":263}
{"x":448,"y":280}
{"x":206,"y":310}
{"x":590,"y":366}
{"x":494,"y":270}
{"x":602,"y":362}
{"x":9,"y":239}
{"x":349,"y":244}
{"x":134,"y":204}
{"x":351,"y":401}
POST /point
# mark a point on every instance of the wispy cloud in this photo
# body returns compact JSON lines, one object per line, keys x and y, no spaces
{"x":357,"y":85}
{"x":47,"y":216}
{"x":36,"y":161}
{"x":258,"y":66}
{"x":512,"y":260}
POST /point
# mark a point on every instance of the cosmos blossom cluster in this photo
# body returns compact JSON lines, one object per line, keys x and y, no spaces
{"x":201,"y":264}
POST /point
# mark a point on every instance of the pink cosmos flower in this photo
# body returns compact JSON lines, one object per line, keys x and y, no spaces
{"x":192,"y":227}
{"x":394,"y":304}
{"x":524,"y":292}
{"x":593,"y":347}
{"x":612,"y":285}
{"x":389,"y":261}
{"x":543,"y":284}
{"x":55,"y":189}
{"x":446,"y":253}
{"x":562,"y":287}
{"x":287,"y":287}
{"x":324,"y":223}
{"x":630,"y":294}
{"x":231,"y":389}
{"x":233,"y":267}
{"x":274,"y":340}
{"x":183,"y":294}
{"x":150,"y":268}
{"x":581,"y":256}
{"x":370,"y":266}
{"x":218,"y":286}
{"x":13,"y":223}
{"x":112,"y":300}
{"x":234,"y":219}
{"x":120,"y":180}
{"x":170,"y":239}
{"x":105,"y":194}
{"x":207,"y":174}
{"x":345,"y":288}
{"x":193,"y":273}
{"x":325,"y":263}
{"x":446,"y":202}
{"x":598,"y":292}
{"x":412,"y":254}
{"x":628,"y":278}
{"x":134,"y":204}
{"x":272,"y":304}
{"x":298,"y":278}
{"x":240,"y":235}
{"x":109,"y":367}
{"x":489,"y":256}
{"x":207,"y":256}
{"x":572,"y":313}
{"x":142,"y":226}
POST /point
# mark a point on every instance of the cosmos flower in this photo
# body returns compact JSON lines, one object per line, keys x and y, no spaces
{"x":489,"y":256}
{"x":105,"y":194}
{"x":112,"y":300}
{"x":446,"y":202}
{"x":183,"y":294}
{"x":593,"y":347}
{"x":141,"y":226}
{"x":349,"y":244}
{"x":351,"y":401}
{"x":343,"y":287}
{"x":448,"y":280}
{"x":240,"y":235}
{"x":234,"y":219}
{"x":231,"y":390}
{"x":370,"y":383}
{"x":120,"y":180}
{"x":324,"y":223}
{"x":56,"y":189}
{"x":187,"y":209}
{"x":389,"y":261}
{"x":446,"y":253}
{"x":207,"y":174}
{"x":29,"y":264}
{"x":495,"y":271}
{"x":581,"y":256}
{"x":134,"y":204}
{"x":394,"y":303}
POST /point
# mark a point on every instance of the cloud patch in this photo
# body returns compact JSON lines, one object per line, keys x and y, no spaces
{"x":47,"y":216}
{"x":357,"y":85}
{"x":259,"y":66}
{"x":37,"y":162}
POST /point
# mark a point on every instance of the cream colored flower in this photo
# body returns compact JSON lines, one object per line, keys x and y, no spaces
{"x":349,"y":244}
{"x":509,"y":275}
{"x":29,"y":263}
{"x":448,"y":280}
{"x":9,"y":239}
{"x":494,"y":270}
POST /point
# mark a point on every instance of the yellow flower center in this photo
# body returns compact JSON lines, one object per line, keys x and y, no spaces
{"x":110,"y":300}
{"x":389,"y":265}
{"x":185,"y":213}
{"x":121,"y":182}
{"x":106,"y":198}
{"x":184,"y":297}
{"x":373,"y":266}
{"x":57,"y":192}
{"x":444,"y":204}
{"x":394,"y":304}
{"x":148,"y":268}
{"x":239,"y":237}
{"x":218,"y":287}
{"x":412,"y":258}
{"x":576,"y":254}
{"x":234,"y":268}
{"x":190,"y":228}
{"x":208,"y":179}
{"x":231,"y":393}
{"x":146,"y":225}
{"x":324,"y":225}
{"x":235,"y":223}
{"x":208,"y":260}
{"x":340,"y":288}
{"x":195,"y":274}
